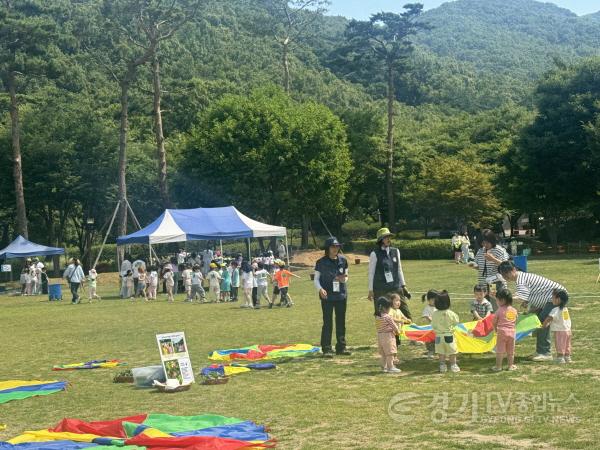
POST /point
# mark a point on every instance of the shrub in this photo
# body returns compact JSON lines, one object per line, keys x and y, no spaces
{"x":417,"y":249}
{"x":356,"y":229}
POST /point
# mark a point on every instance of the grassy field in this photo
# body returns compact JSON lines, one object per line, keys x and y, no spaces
{"x":314,"y":403}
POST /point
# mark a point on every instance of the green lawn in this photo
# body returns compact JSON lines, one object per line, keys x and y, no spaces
{"x":314,"y":403}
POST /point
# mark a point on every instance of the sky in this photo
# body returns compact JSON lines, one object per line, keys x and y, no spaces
{"x":362,"y":9}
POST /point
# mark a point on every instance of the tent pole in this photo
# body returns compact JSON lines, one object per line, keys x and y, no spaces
{"x":112,"y":221}
{"x":221,"y":247}
{"x":287,"y":250}
{"x":248,"y":248}
{"x":137,"y":223}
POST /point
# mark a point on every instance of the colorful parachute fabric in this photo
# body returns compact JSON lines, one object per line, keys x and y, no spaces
{"x":18,"y":390}
{"x":95,"y":364}
{"x":148,"y":431}
{"x":473,"y":337}
{"x":264,"y":352}
{"x":234,"y":369}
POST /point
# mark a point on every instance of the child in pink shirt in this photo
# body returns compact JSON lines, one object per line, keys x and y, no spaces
{"x":505,"y":321}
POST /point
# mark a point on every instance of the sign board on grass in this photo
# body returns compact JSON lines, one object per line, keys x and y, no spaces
{"x":175,"y":357}
{"x":6,"y":268}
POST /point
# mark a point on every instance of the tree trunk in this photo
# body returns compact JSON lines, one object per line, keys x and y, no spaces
{"x":122,"y":222}
{"x":286,"y":68}
{"x":305,"y":230}
{"x":390,"y":150}
{"x":160,"y":139}
{"x":17,"y":163}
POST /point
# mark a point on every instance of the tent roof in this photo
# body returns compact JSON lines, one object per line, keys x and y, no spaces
{"x":22,"y":248}
{"x":177,"y":225}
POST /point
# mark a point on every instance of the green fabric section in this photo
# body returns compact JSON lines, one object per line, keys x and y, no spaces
{"x":20,"y":395}
{"x":174,"y":424}
{"x":527,"y":322}
{"x":129,"y":428}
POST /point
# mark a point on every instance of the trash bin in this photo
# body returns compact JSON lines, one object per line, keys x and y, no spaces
{"x":55,"y":292}
{"x":521,"y":262}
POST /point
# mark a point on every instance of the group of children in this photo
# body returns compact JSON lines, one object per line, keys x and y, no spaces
{"x":34,"y":279}
{"x":224,"y":283}
{"x":389,"y":320}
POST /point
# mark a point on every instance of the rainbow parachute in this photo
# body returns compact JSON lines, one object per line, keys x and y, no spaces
{"x":18,"y":390}
{"x":234,"y":369}
{"x":95,"y":364}
{"x":264,"y":352}
{"x":147,"y":431}
{"x":473,"y":337}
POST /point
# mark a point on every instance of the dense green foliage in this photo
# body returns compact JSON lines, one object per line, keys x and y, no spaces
{"x":472,"y":95}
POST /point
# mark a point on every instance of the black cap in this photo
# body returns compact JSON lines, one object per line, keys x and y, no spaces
{"x":332,"y":241}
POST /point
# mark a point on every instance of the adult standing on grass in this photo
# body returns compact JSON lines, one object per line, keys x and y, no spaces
{"x":535,"y":292}
{"x":331,"y":276}
{"x":74,"y":276}
{"x":487,"y":260}
{"x":385,"y":272}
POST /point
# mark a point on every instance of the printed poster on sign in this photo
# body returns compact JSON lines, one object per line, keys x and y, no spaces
{"x":175,"y":357}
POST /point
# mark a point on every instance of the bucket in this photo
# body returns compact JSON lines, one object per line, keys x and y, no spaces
{"x":521,"y":262}
{"x":54,"y":292}
{"x":356,"y":260}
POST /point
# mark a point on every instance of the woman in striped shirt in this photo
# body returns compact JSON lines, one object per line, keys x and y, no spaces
{"x":487,"y":260}
{"x":535,"y":292}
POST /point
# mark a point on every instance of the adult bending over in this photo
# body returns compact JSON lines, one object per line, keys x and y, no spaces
{"x":535,"y":292}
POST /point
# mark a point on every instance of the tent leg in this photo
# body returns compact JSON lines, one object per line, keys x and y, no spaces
{"x":287,"y":250}
{"x":248,"y":248}
{"x":221,"y":248}
{"x":112,"y":221}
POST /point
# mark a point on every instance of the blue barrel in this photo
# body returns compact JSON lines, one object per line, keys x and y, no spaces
{"x":521,"y":262}
{"x":55,"y":292}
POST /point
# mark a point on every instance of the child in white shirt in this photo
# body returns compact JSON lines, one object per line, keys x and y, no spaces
{"x":559,"y":322}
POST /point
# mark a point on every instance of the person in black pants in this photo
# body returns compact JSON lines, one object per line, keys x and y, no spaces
{"x":331,"y":275}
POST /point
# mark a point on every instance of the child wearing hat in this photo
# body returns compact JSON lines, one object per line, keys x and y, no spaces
{"x":214,"y":282}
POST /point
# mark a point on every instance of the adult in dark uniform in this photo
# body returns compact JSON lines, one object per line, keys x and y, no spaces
{"x":331,"y":275}
{"x":385,"y":272}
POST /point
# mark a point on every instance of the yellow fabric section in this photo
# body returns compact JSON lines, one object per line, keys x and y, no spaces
{"x":11,"y":384}
{"x":45,"y":435}
{"x":154,"y":433}
{"x":232,"y":370}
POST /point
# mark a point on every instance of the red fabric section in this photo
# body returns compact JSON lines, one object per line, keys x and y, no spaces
{"x":421,"y":336}
{"x":110,"y":428}
{"x":268,"y":348}
{"x":191,"y":443}
{"x":484,"y":326}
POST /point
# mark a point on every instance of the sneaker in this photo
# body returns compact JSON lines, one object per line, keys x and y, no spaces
{"x":568,"y":359}
{"x":496,"y":369}
{"x":539,"y":358}
{"x":328,"y":354}
{"x":343,"y":352}
{"x":443,"y":368}
{"x":512,"y":368}
{"x":560,"y":360}
{"x":430,"y":355}
{"x":394,"y":370}
{"x":454,"y":368}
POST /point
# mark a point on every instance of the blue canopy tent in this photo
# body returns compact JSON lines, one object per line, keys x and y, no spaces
{"x":22,"y":248}
{"x":218,"y":224}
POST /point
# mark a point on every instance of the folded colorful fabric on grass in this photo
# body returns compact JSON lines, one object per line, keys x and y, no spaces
{"x":148,"y":431}
{"x":234,"y":369}
{"x":473,"y":337}
{"x":18,"y":390}
{"x":264,"y":352}
{"x":95,"y":364}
